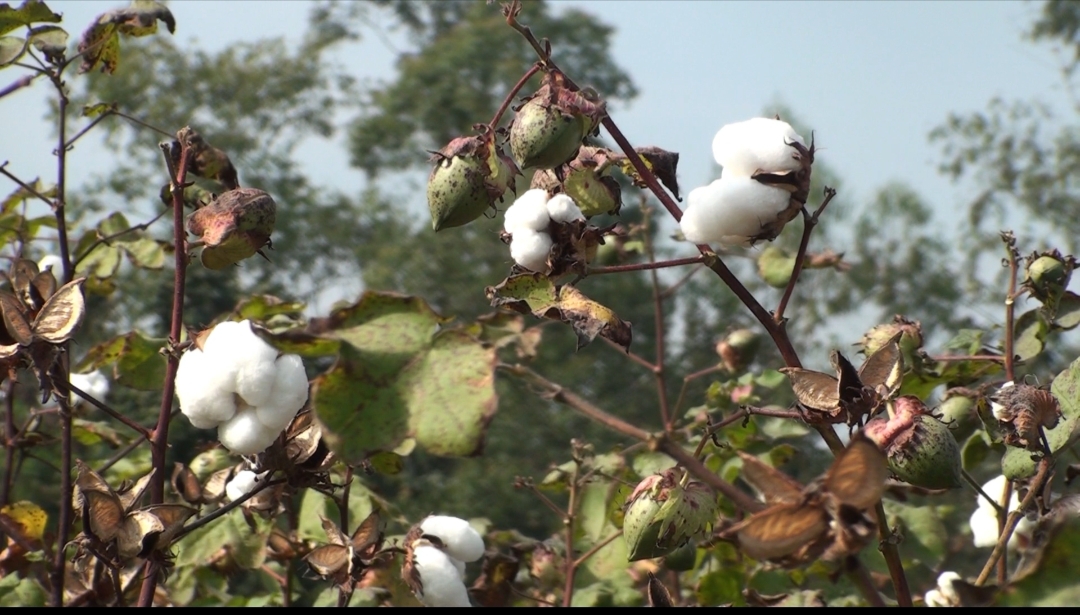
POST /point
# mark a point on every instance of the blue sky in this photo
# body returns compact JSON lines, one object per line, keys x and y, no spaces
{"x":871,"y":78}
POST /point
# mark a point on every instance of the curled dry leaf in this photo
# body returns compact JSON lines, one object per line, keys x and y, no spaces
{"x":1025,"y":410}
{"x":234,"y":226}
{"x":346,"y":557}
{"x":494,"y":586}
{"x":828,"y":521}
{"x":206,"y":161}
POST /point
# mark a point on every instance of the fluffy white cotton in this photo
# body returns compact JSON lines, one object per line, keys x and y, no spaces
{"x":731,"y":210}
{"x":242,"y":484}
{"x":442,"y":583}
{"x":244,"y":434}
{"x":459,"y":539}
{"x":758,"y":144}
{"x":529,"y":212}
{"x":562,"y":208}
{"x":530,"y":249}
{"x":997,"y":408}
{"x":984,"y":521}
{"x":94,"y":384}
{"x":53,"y":262}
{"x":239,"y":384}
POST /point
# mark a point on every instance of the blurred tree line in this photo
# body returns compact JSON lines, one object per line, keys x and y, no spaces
{"x":260,"y":100}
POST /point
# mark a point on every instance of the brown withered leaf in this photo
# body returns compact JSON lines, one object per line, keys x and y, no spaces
{"x":206,"y":161}
{"x":234,"y":226}
{"x":1026,"y":409}
{"x":774,"y":485}
{"x":857,"y":477}
{"x":574,"y":246}
{"x":662,"y":163}
{"x":493,"y":587}
{"x":100,"y":43}
{"x":538,"y":295}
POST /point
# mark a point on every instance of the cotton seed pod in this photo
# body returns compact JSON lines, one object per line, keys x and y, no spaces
{"x":234,"y":226}
{"x":1047,"y":275}
{"x":549,"y":128}
{"x":919,"y":448}
{"x":587,"y":181}
{"x":738,"y":348}
{"x":911,"y":338}
{"x":958,"y":412}
{"x":662,"y":515}
{"x":470,"y":175}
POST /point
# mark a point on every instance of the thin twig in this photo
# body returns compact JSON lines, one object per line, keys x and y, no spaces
{"x":690,"y":378}
{"x":90,"y":399}
{"x":596,"y":548}
{"x":892,"y":558}
{"x":18,"y":84}
{"x":494,"y":123}
{"x":97,"y":120}
{"x":9,"y":443}
{"x":25,"y":186}
{"x":809,"y":222}
{"x":652,"y":265}
{"x":568,"y":523}
{"x":226,"y":509}
{"x":1036,"y":487}
{"x":630,"y":354}
{"x":131,"y":229}
{"x":526,"y":483}
{"x":139,"y":122}
{"x":345,"y":591}
{"x":670,"y":290}
{"x":1010,"y":299}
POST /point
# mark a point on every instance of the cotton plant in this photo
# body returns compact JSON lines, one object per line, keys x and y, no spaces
{"x":439,"y":548}
{"x":527,"y":222}
{"x":984,"y":521}
{"x":739,"y":208}
{"x":240,"y":385}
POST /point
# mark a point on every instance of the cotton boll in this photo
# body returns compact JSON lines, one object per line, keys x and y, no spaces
{"x":242,"y":484}
{"x":290,"y":389}
{"x":244,"y":434}
{"x":94,"y":384}
{"x":274,"y":416}
{"x":984,"y":529}
{"x":255,"y":381}
{"x":758,"y":144}
{"x":934,"y":598}
{"x":562,"y":208}
{"x":945,"y":586}
{"x":530,"y":249}
{"x":53,"y":262}
{"x":460,"y":565}
{"x":459,"y":539}
{"x":529,"y":212}
{"x":204,"y":391}
{"x":998,"y":409}
{"x":731,"y":210}
{"x":442,"y":584}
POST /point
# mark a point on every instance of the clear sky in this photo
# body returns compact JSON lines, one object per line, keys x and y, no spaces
{"x":871,"y":78}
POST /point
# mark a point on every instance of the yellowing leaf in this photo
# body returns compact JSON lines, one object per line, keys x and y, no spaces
{"x":28,"y":515}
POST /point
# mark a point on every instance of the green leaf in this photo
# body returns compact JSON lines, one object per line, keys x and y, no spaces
{"x":536,"y":294}
{"x":300,"y":342}
{"x":100,"y":43}
{"x":386,"y":462}
{"x":144,"y":252}
{"x":1031,"y":329}
{"x":262,"y":307}
{"x":21,"y":592}
{"x":396,"y":377}
{"x":98,"y":109}
{"x":968,"y":340}
{"x":137,"y":360}
{"x":721,"y":587}
{"x":1050,"y":580}
{"x":97,"y":261}
{"x":975,"y":449}
{"x":775,"y":266}
{"x":649,"y":463}
{"x":51,"y":41}
{"x":31,"y":11}
{"x":22,"y":194}
{"x":925,"y":536}
{"x":94,"y":432}
{"x":11,"y":49}
{"x":1017,"y":463}
{"x":1068,"y":311}
{"x":246,"y":545}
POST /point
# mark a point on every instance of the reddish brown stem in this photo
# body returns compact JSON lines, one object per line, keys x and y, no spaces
{"x":1010,"y":311}
{"x":809,"y":222}
{"x":18,"y":84}
{"x":652,"y":265}
{"x":494,"y":123}
{"x":1035,"y":488}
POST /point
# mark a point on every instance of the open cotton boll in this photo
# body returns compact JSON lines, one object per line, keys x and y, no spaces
{"x":204,"y":390}
{"x":244,"y":434}
{"x":53,"y":262}
{"x":94,"y":384}
{"x":731,"y":210}
{"x":562,"y":208}
{"x":530,"y":249}
{"x":459,"y":539}
{"x":997,"y":409}
{"x":290,"y":383}
{"x":758,"y":144}
{"x":442,"y":584}
{"x":242,"y":484}
{"x":529,"y":212}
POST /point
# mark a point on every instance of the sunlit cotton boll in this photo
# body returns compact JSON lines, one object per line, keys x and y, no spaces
{"x":731,"y":210}
{"x":562,"y":208}
{"x":94,"y":384}
{"x":758,"y":144}
{"x":984,"y":521}
{"x":242,"y":484}
{"x":529,"y":212}
{"x":288,"y":394}
{"x":205,"y":389}
{"x":442,"y":584}
{"x":459,"y":538}
{"x":530,"y":249}
{"x":244,"y":433}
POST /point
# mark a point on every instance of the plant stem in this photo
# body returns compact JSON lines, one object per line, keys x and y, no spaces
{"x":649,"y":266}
{"x":1034,"y":489}
{"x":345,"y":592}
{"x":494,"y":123}
{"x":568,"y":523}
{"x":1010,"y":299}
{"x":809,"y":222}
{"x":144,"y":432}
{"x":18,"y":84}
{"x":892,"y":558}
{"x":25,"y":186}
{"x":9,"y":443}
{"x":160,"y":437}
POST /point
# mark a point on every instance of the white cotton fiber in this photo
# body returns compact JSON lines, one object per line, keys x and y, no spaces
{"x":731,"y":210}
{"x":562,"y":208}
{"x":758,"y":144}
{"x":529,"y":212}
{"x":291,"y":384}
{"x":441,"y":581}
{"x":204,"y":389}
{"x":530,"y":249}
{"x":52,"y":262}
{"x":244,"y":434}
{"x":241,"y":484}
{"x":460,"y":540}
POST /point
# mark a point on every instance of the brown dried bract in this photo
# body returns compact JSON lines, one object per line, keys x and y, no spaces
{"x":1026,"y":410}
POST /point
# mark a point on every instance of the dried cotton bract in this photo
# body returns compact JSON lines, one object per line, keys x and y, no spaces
{"x":527,"y":222}
{"x":762,"y":187}
{"x":239,"y":384}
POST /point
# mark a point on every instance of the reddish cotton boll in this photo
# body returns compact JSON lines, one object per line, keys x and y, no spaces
{"x":244,"y":434}
{"x":731,"y":210}
{"x":440,"y":579}
{"x":529,"y":212}
{"x":758,"y":144}
{"x":562,"y":208}
{"x":204,"y":389}
{"x":460,"y":540}
{"x":530,"y":249}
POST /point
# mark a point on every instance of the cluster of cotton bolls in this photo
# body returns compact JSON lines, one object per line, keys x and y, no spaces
{"x":984,"y":521}
{"x":734,"y":209}
{"x":239,"y":384}
{"x":527,"y":222}
{"x":944,"y":594}
{"x":442,"y":570}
